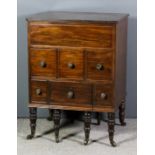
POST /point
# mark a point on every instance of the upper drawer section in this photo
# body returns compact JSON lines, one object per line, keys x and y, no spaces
{"x":72,"y":35}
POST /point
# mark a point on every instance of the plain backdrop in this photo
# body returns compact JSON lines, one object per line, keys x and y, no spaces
{"x":28,"y":7}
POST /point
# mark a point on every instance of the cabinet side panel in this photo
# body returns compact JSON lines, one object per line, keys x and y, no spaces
{"x":120,"y":62}
{"x":28,"y":60}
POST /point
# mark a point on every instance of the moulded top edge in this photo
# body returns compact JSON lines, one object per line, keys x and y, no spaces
{"x":60,"y":17}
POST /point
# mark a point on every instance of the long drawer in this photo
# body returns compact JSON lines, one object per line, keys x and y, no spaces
{"x":76,"y":93}
{"x":72,"y":35}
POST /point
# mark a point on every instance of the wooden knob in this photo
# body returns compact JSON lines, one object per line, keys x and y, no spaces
{"x":70,"y":94}
{"x":38,"y":91}
{"x":42,"y":64}
{"x":103,"y":96}
{"x":71,"y":65}
{"x":99,"y":66}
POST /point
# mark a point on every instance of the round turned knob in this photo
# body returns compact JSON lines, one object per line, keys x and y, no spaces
{"x":70,"y":94}
{"x":103,"y":96}
{"x":42,"y":64}
{"x":38,"y":91}
{"x":99,"y":66}
{"x":71,"y":65}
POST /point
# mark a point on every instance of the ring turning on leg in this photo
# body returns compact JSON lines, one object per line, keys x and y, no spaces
{"x":87,"y":122}
{"x":122,"y":114}
{"x":56,"y":118}
{"x":111,"y":125}
{"x":33,"y":118}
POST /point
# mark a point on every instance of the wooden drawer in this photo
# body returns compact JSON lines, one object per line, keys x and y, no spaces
{"x":100,"y":64}
{"x":103,"y":95}
{"x":72,"y":35}
{"x":38,"y":91}
{"x":43,"y":62}
{"x":71,"y":63}
{"x":71,"y":93}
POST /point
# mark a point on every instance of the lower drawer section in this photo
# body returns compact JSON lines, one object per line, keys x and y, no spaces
{"x":71,"y":95}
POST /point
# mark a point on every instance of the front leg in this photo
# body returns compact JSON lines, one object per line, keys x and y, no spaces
{"x":111,"y":125}
{"x":87,"y":122}
{"x":122,"y":113}
{"x":33,"y":118}
{"x":56,"y":118}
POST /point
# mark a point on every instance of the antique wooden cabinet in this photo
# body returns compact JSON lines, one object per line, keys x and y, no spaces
{"x":77,"y":61}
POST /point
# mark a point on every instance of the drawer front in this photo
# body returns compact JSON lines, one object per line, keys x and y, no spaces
{"x":72,"y":35}
{"x":38,"y":91}
{"x":99,"y":64}
{"x":71,"y":63}
{"x":71,"y":93}
{"x":43,"y":62}
{"x":103,"y":95}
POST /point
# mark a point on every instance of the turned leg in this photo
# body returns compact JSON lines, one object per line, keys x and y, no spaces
{"x":87,"y":122}
{"x":98,"y":116}
{"x":50,"y":117}
{"x":111,"y":125}
{"x":56,"y":118}
{"x":33,"y":118}
{"x":122,"y":114}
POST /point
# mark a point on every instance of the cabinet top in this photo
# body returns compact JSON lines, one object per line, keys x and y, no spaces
{"x":77,"y":17}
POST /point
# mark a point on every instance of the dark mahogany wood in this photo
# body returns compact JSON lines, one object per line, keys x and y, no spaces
{"x":100,"y":64}
{"x":56,"y":119}
{"x":71,"y":94}
{"x":87,"y":122}
{"x":111,"y":125}
{"x":33,"y":118}
{"x":120,"y":59}
{"x":39,"y":90}
{"x":103,"y":96}
{"x":77,"y":61}
{"x":43,"y":62}
{"x":75,"y":35}
{"x":71,"y":63}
